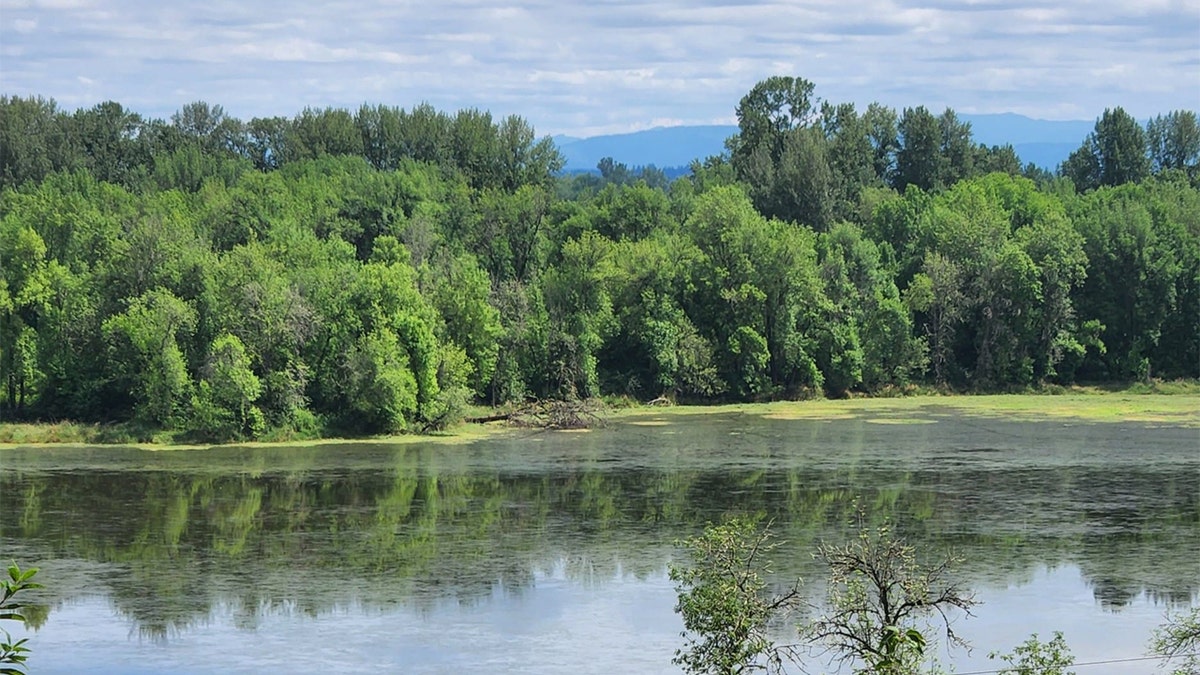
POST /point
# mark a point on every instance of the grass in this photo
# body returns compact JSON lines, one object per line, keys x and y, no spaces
{"x":17,"y":433}
{"x":1176,"y":403}
{"x":1162,"y":403}
{"x":13,"y":434}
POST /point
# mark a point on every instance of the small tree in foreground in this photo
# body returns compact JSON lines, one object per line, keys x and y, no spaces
{"x":724,"y":601}
{"x":1178,"y":642}
{"x":880,"y":600}
{"x":13,"y":654}
{"x":1034,"y":657}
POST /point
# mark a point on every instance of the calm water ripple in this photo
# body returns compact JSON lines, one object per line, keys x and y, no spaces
{"x":548,"y":552}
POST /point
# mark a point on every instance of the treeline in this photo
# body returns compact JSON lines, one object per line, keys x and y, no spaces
{"x":373,"y":271}
{"x":201,"y":142}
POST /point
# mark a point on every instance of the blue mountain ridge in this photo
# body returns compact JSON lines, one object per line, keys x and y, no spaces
{"x":1046,"y":143}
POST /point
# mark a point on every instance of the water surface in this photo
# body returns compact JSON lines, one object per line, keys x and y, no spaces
{"x":547,"y":552}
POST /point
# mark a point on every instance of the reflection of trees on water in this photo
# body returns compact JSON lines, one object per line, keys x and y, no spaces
{"x":261,"y":531}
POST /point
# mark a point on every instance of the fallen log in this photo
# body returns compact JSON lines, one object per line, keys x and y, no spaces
{"x":490,"y":418}
{"x":549,"y":415}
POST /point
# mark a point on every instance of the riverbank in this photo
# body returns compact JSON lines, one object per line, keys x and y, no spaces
{"x":1175,"y":403}
{"x":73,"y":433}
{"x":1173,"y":409}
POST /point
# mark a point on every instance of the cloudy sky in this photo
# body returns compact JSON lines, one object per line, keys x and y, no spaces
{"x":599,"y":66}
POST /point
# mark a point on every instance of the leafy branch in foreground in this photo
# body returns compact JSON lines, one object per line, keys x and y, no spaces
{"x":724,"y":601}
{"x":1179,"y":638}
{"x":14,"y":654}
{"x":880,"y":600}
{"x":1034,"y":657}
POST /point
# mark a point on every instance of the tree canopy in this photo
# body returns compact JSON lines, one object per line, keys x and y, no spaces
{"x":372,"y":271}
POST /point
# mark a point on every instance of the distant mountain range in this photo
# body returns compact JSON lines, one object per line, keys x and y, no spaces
{"x":663,"y":146}
{"x":1046,"y":143}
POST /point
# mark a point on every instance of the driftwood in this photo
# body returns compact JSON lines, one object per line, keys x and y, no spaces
{"x":500,"y":417}
{"x":550,"y":415}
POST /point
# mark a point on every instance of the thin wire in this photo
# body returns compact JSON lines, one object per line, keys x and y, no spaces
{"x":1093,"y":663}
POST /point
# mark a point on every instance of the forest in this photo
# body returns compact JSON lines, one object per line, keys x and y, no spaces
{"x":377,"y":270}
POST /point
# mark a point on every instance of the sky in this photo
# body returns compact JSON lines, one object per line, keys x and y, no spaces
{"x":604,"y":66}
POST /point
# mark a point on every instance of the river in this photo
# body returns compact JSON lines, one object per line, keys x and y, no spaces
{"x":547,"y":552}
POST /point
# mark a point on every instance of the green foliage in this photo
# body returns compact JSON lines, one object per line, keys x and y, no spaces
{"x":772,"y":108}
{"x":725,"y":601}
{"x":581,"y":315}
{"x":1034,"y":657}
{"x":1135,"y":275}
{"x":224,"y":408}
{"x":881,"y":601}
{"x":758,"y":293}
{"x":24,"y":293}
{"x":379,"y":388}
{"x":1178,"y":642}
{"x":656,"y":349}
{"x":851,"y":157}
{"x":782,"y":156}
{"x":149,"y":278}
{"x":449,"y":406}
{"x":459,"y":290}
{"x":868,"y":337}
{"x":1113,"y":154}
{"x":919,"y":161}
{"x":144,"y":343}
{"x":32,"y":140}
{"x":14,"y":654}
{"x":1174,"y":142}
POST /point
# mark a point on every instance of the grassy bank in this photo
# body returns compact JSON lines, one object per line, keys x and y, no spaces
{"x":1178,"y":409}
{"x":73,"y":433}
{"x":1175,"y":403}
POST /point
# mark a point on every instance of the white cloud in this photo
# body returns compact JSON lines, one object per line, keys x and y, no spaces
{"x":575,"y":66}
